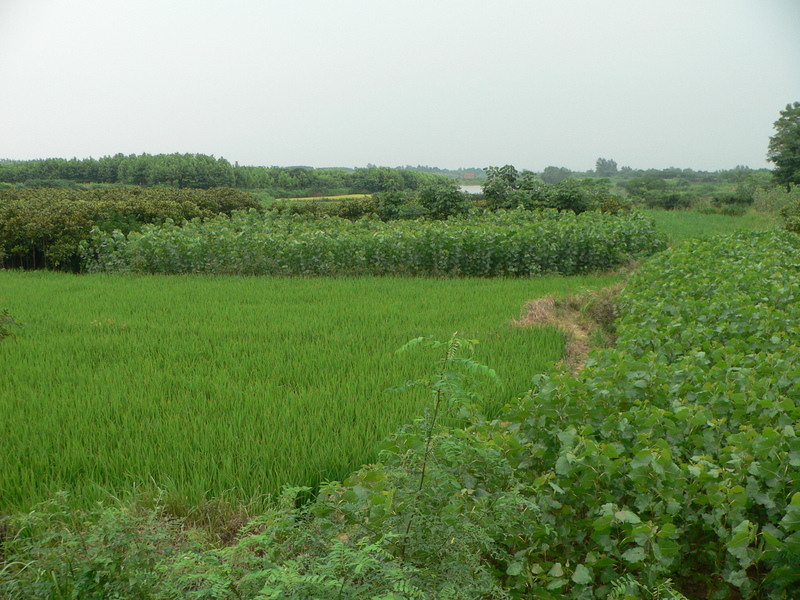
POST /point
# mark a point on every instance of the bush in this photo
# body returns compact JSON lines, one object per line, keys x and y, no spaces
{"x":43,"y":227}
{"x":791,"y":216}
{"x":668,"y":200}
{"x":444,"y":201}
{"x":774,"y":199}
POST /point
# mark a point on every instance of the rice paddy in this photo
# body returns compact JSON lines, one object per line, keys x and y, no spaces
{"x":226,"y":386}
{"x":680,"y":225}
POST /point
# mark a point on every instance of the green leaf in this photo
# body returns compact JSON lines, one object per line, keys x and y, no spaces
{"x":582,"y":575}
{"x":634,"y":555}
{"x":626,"y":516}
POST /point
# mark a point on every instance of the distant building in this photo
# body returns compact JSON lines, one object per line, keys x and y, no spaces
{"x":469,"y":175}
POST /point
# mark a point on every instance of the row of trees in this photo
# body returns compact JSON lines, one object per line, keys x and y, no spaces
{"x":203,"y":171}
{"x":608,"y":168}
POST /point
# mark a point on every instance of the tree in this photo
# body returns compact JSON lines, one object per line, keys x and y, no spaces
{"x":605,"y":167}
{"x":442,"y":201}
{"x":501,"y":182}
{"x":555,"y":175}
{"x":784,"y":146}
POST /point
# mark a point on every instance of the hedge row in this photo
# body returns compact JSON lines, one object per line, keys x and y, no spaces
{"x":514,"y":243}
{"x":42,"y":227}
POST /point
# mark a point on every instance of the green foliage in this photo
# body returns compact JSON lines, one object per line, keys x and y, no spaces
{"x":784,"y":146}
{"x":553,"y":175}
{"x":515,"y":243}
{"x":232,"y":386}
{"x":393,"y":204}
{"x":655,"y":192}
{"x":774,"y":199}
{"x":605,"y":167}
{"x":351,"y":209}
{"x":203,"y":171}
{"x":444,"y":201}
{"x":680,"y":225}
{"x":667,"y":468}
{"x":57,"y":554}
{"x":506,"y":188}
{"x":43,"y":227}
{"x":790,"y":209}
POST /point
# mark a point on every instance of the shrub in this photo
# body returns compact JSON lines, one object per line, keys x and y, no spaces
{"x":43,"y":227}
{"x":773,"y":199}
{"x":443,"y":201}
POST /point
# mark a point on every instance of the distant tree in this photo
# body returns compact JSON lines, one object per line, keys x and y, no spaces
{"x":442,"y":201}
{"x":555,"y":175}
{"x":605,"y":167}
{"x":501,"y":182}
{"x":784,"y":146}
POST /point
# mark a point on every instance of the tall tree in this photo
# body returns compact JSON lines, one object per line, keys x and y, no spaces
{"x":555,"y":175}
{"x":605,"y":167}
{"x":784,"y":146}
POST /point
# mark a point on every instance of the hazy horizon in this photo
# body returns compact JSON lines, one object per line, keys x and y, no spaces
{"x":692,"y":84}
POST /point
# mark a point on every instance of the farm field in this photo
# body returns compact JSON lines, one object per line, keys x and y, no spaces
{"x":224,"y":386}
{"x":680,"y":225}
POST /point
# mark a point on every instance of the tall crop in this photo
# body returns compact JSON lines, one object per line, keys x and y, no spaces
{"x":513,"y":243}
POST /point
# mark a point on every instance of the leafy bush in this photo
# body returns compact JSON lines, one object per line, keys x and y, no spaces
{"x":506,"y":188}
{"x":774,"y":199}
{"x":443,"y":201}
{"x":790,"y":210}
{"x":514,"y":243}
{"x":655,"y":192}
{"x":43,"y":227}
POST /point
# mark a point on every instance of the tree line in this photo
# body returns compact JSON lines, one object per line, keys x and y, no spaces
{"x":203,"y":172}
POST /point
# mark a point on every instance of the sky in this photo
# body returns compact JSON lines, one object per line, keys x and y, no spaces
{"x":447,"y":83}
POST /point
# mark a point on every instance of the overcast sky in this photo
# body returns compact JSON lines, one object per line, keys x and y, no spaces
{"x":448,"y":83}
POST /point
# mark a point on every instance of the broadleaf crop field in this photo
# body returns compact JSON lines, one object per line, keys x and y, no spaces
{"x":204,"y":386}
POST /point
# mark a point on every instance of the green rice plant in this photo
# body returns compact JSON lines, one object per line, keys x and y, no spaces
{"x":7,"y":324}
{"x":225,"y":386}
{"x":683,"y":225}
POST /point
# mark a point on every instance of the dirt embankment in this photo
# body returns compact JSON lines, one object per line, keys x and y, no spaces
{"x":587,"y":321}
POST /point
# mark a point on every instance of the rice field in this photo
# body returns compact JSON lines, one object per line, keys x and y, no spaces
{"x":680,"y":225}
{"x":204,"y":386}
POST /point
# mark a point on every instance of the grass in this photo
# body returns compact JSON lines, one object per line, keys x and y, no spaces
{"x":232,"y":387}
{"x":680,"y":225}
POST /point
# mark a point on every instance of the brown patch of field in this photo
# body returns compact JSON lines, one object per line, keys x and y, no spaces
{"x":587,"y":321}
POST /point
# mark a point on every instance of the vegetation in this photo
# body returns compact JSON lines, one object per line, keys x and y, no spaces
{"x":680,"y":225}
{"x":7,"y":324}
{"x":202,"y":171}
{"x":231,"y":387}
{"x":507,"y":188}
{"x":42,"y":227}
{"x":157,"y":418}
{"x":665,"y":469}
{"x":784,"y":146}
{"x":515,"y":243}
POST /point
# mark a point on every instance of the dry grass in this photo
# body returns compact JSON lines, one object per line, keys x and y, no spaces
{"x":586,"y":319}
